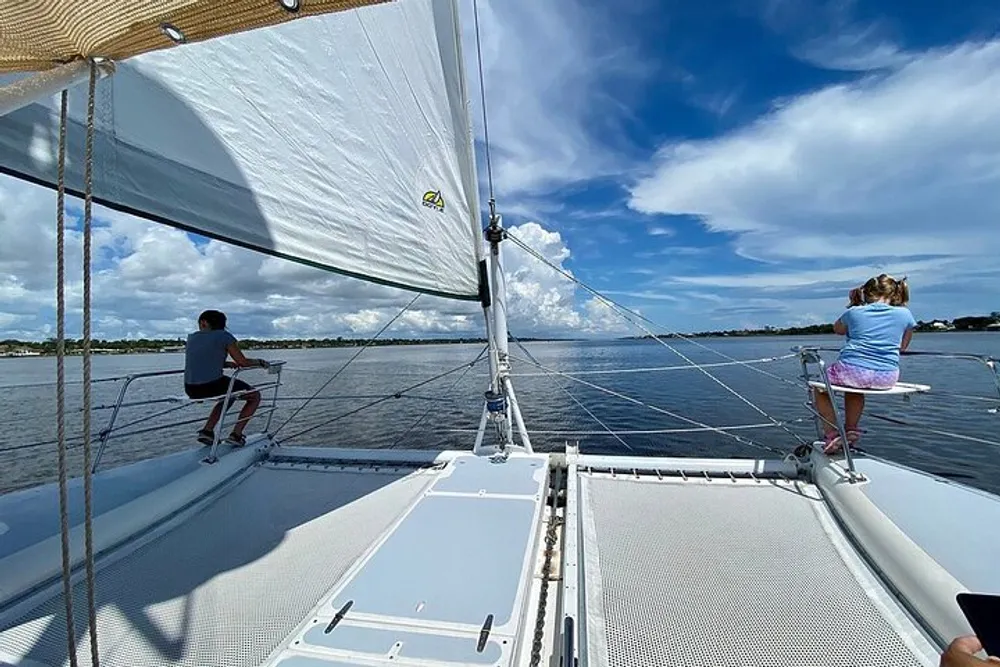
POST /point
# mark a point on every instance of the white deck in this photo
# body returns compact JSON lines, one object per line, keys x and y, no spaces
{"x":255,"y":575}
{"x":324,"y":558}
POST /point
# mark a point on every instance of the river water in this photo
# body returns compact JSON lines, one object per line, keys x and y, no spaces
{"x":445,"y":413}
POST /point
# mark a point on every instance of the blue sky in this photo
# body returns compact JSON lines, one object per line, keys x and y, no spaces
{"x":711,"y":181}
{"x":713,"y":164}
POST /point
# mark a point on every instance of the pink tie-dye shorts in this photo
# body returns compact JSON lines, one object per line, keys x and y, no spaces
{"x":847,"y":375}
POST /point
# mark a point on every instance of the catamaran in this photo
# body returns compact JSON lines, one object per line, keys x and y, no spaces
{"x":337,"y":133}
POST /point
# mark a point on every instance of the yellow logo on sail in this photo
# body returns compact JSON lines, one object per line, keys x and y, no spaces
{"x":433,"y":199}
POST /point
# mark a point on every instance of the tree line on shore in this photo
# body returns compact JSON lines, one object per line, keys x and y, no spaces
{"x":989,"y":322}
{"x":132,"y":346}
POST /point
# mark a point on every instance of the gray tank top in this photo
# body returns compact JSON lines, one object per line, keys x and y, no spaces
{"x":205,"y":355}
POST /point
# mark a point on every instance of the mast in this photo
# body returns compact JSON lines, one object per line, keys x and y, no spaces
{"x":501,"y":409}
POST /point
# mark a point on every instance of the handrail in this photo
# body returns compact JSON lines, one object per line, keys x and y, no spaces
{"x":105,"y":434}
{"x":991,"y":363}
{"x":810,"y":354}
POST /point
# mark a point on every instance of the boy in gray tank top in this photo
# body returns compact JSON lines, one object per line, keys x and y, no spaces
{"x":204,"y":361}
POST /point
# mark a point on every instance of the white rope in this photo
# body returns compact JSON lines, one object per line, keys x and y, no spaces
{"x":620,"y":310}
{"x":61,"y":379}
{"x":957,"y":436}
{"x":654,"y":408}
{"x":88,"y":507}
{"x":655,"y":369}
{"x":340,"y":370}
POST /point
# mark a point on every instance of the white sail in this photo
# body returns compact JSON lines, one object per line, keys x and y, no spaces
{"x":341,"y":141}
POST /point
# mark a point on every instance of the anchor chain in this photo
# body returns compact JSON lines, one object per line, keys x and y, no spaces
{"x":551,"y":537}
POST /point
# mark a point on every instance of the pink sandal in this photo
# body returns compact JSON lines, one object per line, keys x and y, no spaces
{"x":832,"y":443}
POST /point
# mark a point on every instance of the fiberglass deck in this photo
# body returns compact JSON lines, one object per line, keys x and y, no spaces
{"x":256,"y":576}
{"x":725,"y":572}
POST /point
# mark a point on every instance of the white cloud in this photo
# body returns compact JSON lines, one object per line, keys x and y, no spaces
{"x":854,"y":50}
{"x":545,"y":66}
{"x":661,"y":231}
{"x":151,"y":281}
{"x":826,"y":34}
{"x":540,"y":299}
{"x":861,"y":176}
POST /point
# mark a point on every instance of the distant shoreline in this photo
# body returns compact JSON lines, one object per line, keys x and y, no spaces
{"x":27,"y":349}
{"x":17,"y":349}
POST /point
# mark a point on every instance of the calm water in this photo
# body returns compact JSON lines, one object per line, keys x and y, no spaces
{"x":451,"y":410}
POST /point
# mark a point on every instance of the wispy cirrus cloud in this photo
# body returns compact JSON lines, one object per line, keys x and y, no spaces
{"x":549,"y":69}
{"x":896,"y":171}
{"x":828,"y":34}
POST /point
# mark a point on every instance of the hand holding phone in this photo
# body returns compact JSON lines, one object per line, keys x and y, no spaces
{"x":983,"y":614}
{"x":962,"y":653}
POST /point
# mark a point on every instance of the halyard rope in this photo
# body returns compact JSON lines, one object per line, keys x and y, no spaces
{"x":88,"y":508}
{"x":61,"y":377}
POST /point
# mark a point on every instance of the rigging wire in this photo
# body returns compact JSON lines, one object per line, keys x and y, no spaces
{"x":482,"y":93}
{"x":958,"y":436}
{"x":444,"y":396}
{"x":636,"y":401}
{"x":387,"y":397}
{"x":357,"y":354}
{"x":566,"y":391}
{"x":656,"y":369}
{"x":621,"y":311}
{"x":655,"y":431}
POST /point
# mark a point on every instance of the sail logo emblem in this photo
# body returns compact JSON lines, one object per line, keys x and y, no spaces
{"x":434,"y":200}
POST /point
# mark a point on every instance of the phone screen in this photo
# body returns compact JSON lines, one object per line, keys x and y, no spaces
{"x":983,"y":613}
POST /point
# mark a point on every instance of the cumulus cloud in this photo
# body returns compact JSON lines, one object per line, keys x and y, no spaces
{"x":151,"y":280}
{"x":897,"y":171}
{"x":539,"y":298}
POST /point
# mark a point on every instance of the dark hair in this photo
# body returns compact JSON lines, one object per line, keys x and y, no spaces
{"x":214,"y":318}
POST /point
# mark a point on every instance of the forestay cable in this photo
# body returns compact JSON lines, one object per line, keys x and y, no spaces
{"x":482,"y":93}
{"x":385,"y":398}
{"x":347,"y":363}
{"x":621,"y":310}
{"x":630,"y":399}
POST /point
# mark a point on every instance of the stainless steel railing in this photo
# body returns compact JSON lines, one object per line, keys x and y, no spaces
{"x":274,"y":368}
{"x":811,"y":355}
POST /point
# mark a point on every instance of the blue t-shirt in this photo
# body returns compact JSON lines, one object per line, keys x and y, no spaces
{"x":205,"y":355}
{"x":874,"y":332}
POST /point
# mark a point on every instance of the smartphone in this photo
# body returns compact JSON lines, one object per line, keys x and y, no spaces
{"x":983,"y":614}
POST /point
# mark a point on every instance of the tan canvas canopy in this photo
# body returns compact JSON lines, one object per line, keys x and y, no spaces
{"x":40,"y":34}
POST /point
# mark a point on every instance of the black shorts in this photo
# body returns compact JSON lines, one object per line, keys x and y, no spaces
{"x":216,"y":388}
